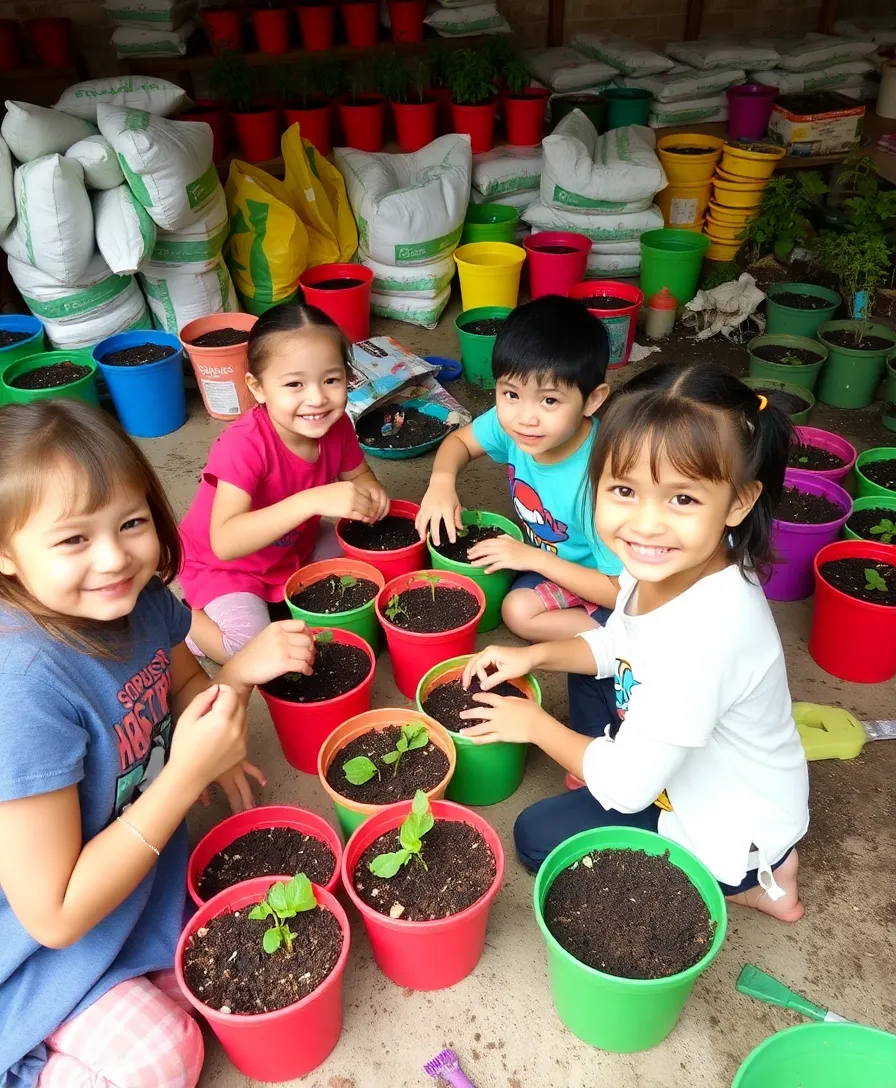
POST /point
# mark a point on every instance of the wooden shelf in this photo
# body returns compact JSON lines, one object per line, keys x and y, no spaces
{"x":40,"y":71}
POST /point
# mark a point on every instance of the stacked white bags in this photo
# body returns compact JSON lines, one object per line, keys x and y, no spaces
{"x":465,"y":19}
{"x":151,"y":28}
{"x":817,"y":62}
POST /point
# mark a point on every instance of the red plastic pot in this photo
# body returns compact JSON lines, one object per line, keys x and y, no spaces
{"x":254,"y":819}
{"x":524,"y":116}
{"x":314,"y":121}
{"x":416,"y":123}
{"x":424,"y":955}
{"x":258,"y":134}
{"x":362,"y":121}
{"x":443,"y":95}
{"x":362,"y":22}
{"x":478,"y":122}
{"x":9,"y":45}
{"x":414,"y":653}
{"x":391,"y":564}
{"x":211,"y":114}
{"x":349,"y":307}
{"x":853,"y":640}
{"x":620,"y":324}
{"x":52,"y":37}
{"x":303,"y":727}
{"x":555,"y":273}
{"x":271,"y":29}
{"x":316,"y":21}
{"x":833,"y":443}
{"x":406,"y":19}
{"x":288,"y":1043}
{"x":224,"y":27}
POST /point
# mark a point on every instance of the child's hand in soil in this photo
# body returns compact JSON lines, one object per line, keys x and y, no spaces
{"x":285,"y":646}
{"x":378,"y":498}
{"x":508,"y":663}
{"x":345,"y":499}
{"x":508,"y":719}
{"x":501,"y":553}
{"x":440,"y":505}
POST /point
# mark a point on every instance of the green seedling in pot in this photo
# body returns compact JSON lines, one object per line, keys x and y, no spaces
{"x":885,"y":529}
{"x":412,"y":736}
{"x":394,"y":609}
{"x":346,"y":582}
{"x":434,"y":580}
{"x":360,"y":770}
{"x":284,"y":900}
{"x":791,"y":360}
{"x":418,"y":822}
{"x":477,"y":520}
{"x":874,"y":582}
{"x":517,"y":76}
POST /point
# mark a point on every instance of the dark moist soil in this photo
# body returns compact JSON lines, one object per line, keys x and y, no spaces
{"x":796,"y":301}
{"x":849,"y":338}
{"x":690,"y":150}
{"x":863,"y":521}
{"x":50,"y":377}
{"x":418,"y":427}
{"x":458,"y":550}
{"x":758,"y":149}
{"x":812,"y":458}
{"x":629,"y":914}
{"x":777,"y":353}
{"x":848,"y":575}
{"x":387,"y":535}
{"x":325,"y":598}
{"x":7,"y":337}
{"x":580,"y":99}
{"x":487,"y":326}
{"x":881,"y":472}
{"x":337,"y":669}
{"x":418,"y":769}
{"x":138,"y":354}
{"x":226,"y":966}
{"x":554,"y":249}
{"x":605,"y":302}
{"x":805,"y":509}
{"x":445,"y":702}
{"x":360,"y":101}
{"x":460,"y":870}
{"x":789,"y":403}
{"x":336,"y":284}
{"x":452,"y":608}
{"x":221,"y":338}
{"x":267,"y":851}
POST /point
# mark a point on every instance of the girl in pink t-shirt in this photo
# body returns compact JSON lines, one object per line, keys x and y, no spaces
{"x":290,"y":460}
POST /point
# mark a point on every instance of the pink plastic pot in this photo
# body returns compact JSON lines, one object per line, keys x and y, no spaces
{"x":314,"y":124}
{"x":555,"y":273}
{"x":795,"y":546}
{"x":424,"y":955}
{"x":288,"y":1043}
{"x":620,"y":324}
{"x":414,"y":653}
{"x":749,"y":109}
{"x":303,"y":727}
{"x":349,"y":307}
{"x":394,"y":563}
{"x":52,"y":37}
{"x":254,"y":819}
{"x":317,"y":22}
{"x":833,"y":443}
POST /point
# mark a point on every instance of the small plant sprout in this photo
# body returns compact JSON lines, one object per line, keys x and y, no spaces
{"x":284,"y":900}
{"x":885,"y":529}
{"x":346,"y":582}
{"x":803,"y":460}
{"x":360,"y":770}
{"x":874,"y":582}
{"x":413,"y":736}
{"x":791,"y":360}
{"x":323,"y":638}
{"x":434,"y":580}
{"x":394,"y":609}
{"x":418,"y":822}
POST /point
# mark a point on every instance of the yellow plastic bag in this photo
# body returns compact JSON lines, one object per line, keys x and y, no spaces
{"x":318,"y":193}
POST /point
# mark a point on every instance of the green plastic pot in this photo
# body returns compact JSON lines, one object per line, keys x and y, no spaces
{"x":494,"y":586}
{"x":798,"y":419}
{"x":490,"y":223}
{"x":36,"y":342}
{"x":886,"y":501}
{"x":623,"y":1015}
{"x":888,"y":414}
{"x":361,"y":620}
{"x":485,"y":774}
{"x":864,"y":486}
{"x":804,"y":375}
{"x":594,"y":106}
{"x":84,"y":389}
{"x":475,"y":350}
{"x":850,"y":377}
{"x":627,"y":106}
{"x":673,"y":259}
{"x":790,"y":321}
{"x":823,"y":1056}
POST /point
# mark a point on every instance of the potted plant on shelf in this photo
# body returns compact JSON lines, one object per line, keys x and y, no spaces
{"x":415,"y":112}
{"x":438,"y":62}
{"x":362,"y":114}
{"x":391,"y":545}
{"x":317,"y":23}
{"x":782,"y":222}
{"x":822,"y":453}
{"x":796,"y":360}
{"x":337,"y":593}
{"x":423,"y":876}
{"x":473,"y":91}
{"x":257,"y":126}
{"x":305,"y":91}
{"x":523,"y":105}
{"x":271,"y":23}
{"x":224,"y":27}
{"x":361,"y":19}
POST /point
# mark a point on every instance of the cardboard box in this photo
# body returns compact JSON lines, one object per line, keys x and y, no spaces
{"x":819,"y":123}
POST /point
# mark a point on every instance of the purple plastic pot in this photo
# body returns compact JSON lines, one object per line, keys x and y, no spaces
{"x":749,"y":110}
{"x":797,"y":545}
{"x":833,"y":443}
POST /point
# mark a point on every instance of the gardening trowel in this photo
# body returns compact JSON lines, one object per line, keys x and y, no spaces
{"x":755,"y":983}
{"x":827,"y":732}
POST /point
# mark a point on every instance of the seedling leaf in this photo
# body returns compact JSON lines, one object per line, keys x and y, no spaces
{"x":346,"y":582}
{"x":284,"y":900}
{"x":323,"y":637}
{"x":387,"y":865}
{"x":434,"y":580}
{"x":885,"y":529}
{"x":416,"y":824}
{"x":874,"y":582}
{"x":413,"y":735}
{"x":260,"y":911}
{"x":420,"y":804}
{"x":277,"y":899}
{"x":359,"y":770}
{"x":394,"y":608}
{"x":391,"y":757}
{"x":272,"y":940}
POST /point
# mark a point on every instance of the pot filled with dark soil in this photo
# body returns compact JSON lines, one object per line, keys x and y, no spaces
{"x":485,"y":773}
{"x":337,"y":593}
{"x":857,"y":355}
{"x":393,"y":545}
{"x":853,"y":632}
{"x":306,"y":709}
{"x":794,"y":401}
{"x":264,"y":842}
{"x":795,"y":360}
{"x":476,"y":331}
{"x":397,"y":431}
{"x":342,"y":291}
{"x":267,"y":980}
{"x":428,"y":617}
{"x":822,"y":453}
{"x":50,"y":374}
{"x":21,"y":335}
{"x":810,"y":515}
{"x":144,"y":371}
{"x":557,"y":261}
{"x":621,"y":983}
{"x":426,"y":908}
{"x":689,"y":158}
{"x":876,"y":472}
{"x":873,"y":518}
{"x":381,"y":757}
{"x":217,"y":347}
{"x":799,"y":309}
{"x":616,"y":306}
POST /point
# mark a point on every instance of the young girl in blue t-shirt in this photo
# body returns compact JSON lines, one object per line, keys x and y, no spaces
{"x":109,"y":732}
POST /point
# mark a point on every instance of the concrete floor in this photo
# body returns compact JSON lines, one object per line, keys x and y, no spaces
{"x":500,"y":1020}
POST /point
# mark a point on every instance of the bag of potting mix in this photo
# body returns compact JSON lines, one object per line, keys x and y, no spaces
{"x":881,"y":29}
{"x":319,"y":199}
{"x":507,"y":170}
{"x":838,"y":75}
{"x":679,"y":86}
{"x":198,"y":246}
{"x":151,"y":14}
{"x":177,"y":296}
{"x":694,"y":111}
{"x":615,"y":265}
{"x":33,"y":131}
{"x":521,"y":199}
{"x":624,"y":227}
{"x":564,"y":69}
{"x":422,"y":281}
{"x":148,"y":93}
{"x":814,"y":51}
{"x":723,"y":53}
{"x":7,"y":192}
{"x":622,"y":54}
{"x":125,"y":234}
{"x":413,"y":309}
{"x":98,"y":161}
{"x":465,"y":22}
{"x":136,"y":42}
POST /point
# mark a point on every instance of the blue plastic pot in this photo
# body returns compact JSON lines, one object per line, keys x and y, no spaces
{"x":149,"y":398}
{"x":32,"y":346}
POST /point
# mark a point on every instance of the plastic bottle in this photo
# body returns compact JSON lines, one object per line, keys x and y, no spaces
{"x":662,"y":309}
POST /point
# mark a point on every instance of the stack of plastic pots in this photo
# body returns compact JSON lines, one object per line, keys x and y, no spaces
{"x":689,"y":160}
{"x":738,"y":185}
{"x":620,"y":322}
{"x":489,"y":273}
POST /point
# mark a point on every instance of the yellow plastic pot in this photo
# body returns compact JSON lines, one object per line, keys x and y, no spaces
{"x":683,"y":204}
{"x":730,"y":195}
{"x":489,"y":273}
{"x":721,"y":214}
{"x":721,"y":249}
{"x":731,"y":232}
{"x":696,"y":228}
{"x":750,"y":164}
{"x":689,"y":169}
{"x":743,"y":183}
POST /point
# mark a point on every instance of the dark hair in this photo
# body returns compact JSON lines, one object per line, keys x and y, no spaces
{"x":553,"y":338}
{"x":710,"y":426}
{"x":290,"y":317}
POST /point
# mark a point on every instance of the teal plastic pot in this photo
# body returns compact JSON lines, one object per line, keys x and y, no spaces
{"x":83,"y":389}
{"x":36,"y":342}
{"x":823,"y":1056}
{"x":802,"y":374}
{"x":886,"y":501}
{"x":490,"y":223}
{"x":791,"y":321}
{"x":475,"y":350}
{"x":864,"y":486}
{"x":627,"y":106}
{"x":888,"y":415}
{"x":594,"y":106}
{"x":798,"y":419}
{"x":673,"y":259}
{"x":494,"y":586}
{"x":623,"y":1015}
{"x":484,"y":774}
{"x":850,"y":377}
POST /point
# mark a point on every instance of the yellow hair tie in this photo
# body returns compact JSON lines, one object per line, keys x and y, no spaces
{"x":763,"y":401}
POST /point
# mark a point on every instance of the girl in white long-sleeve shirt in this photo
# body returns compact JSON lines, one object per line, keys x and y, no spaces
{"x":686,"y":473}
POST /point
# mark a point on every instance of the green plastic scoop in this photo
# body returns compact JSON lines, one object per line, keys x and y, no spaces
{"x":764,"y":987}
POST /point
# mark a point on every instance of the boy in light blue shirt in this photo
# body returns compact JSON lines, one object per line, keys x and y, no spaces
{"x":549,"y":364}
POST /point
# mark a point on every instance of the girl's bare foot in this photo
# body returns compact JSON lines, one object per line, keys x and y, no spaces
{"x":786,"y":909}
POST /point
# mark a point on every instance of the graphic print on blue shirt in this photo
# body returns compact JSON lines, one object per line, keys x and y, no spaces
{"x":539,"y":526}
{"x":624,"y":683}
{"x":144,"y":732}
